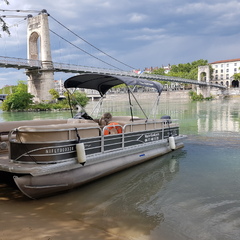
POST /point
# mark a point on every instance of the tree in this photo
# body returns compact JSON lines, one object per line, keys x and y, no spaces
{"x":77,"y":98}
{"x":159,"y":71}
{"x":236,"y":76}
{"x":187,"y":70}
{"x":18,"y":100}
{"x":54,"y":93}
{"x":3,"y":23}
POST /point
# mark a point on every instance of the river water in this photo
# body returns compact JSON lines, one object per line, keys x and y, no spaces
{"x":189,"y":194}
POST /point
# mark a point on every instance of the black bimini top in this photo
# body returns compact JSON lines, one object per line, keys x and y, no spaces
{"x":103,"y":82}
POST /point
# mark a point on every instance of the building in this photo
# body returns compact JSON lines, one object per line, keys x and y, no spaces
{"x":151,"y":69}
{"x":59,"y":86}
{"x":224,"y":71}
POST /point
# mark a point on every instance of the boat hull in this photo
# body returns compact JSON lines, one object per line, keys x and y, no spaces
{"x":50,"y":184}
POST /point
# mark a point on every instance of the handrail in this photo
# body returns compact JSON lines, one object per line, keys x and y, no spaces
{"x":12,"y":62}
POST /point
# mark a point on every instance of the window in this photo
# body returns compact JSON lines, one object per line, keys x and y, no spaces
{"x":235,"y":64}
{"x":235,"y":69}
{"x":227,"y":65}
{"x":216,"y":77}
{"x":221,"y":65}
{"x":221,"y":70}
{"x":227,"y":76}
{"x":216,"y":71}
{"x":227,"y":70}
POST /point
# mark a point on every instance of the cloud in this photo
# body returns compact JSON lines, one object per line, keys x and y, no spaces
{"x":137,"y":17}
{"x":146,"y":33}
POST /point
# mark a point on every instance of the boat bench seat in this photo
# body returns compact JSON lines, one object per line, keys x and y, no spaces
{"x":57,"y":132}
{"x":124,"y":118}
{"x":8,"y":126}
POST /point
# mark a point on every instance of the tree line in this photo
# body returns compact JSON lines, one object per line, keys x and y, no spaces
{"x":19,"y":99}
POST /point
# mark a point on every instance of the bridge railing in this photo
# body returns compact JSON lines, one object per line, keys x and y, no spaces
{"x":21,"y":62}
{"x":63,"y":67}
{"x":77,"y":68}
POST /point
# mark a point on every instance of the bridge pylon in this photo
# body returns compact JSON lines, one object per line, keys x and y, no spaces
{"x":204,"y":76}
{"x":40,"y":81}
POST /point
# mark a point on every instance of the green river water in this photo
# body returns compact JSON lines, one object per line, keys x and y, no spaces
{"x":189,"y":194}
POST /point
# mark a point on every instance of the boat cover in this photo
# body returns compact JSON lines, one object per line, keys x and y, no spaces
{"x":103,"y":82}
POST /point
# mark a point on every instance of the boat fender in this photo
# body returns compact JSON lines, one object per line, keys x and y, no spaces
{"x":81,"y":155}
{"x":111,"y":126}
{"x":80,"y":149}
{"x":172,"y":143}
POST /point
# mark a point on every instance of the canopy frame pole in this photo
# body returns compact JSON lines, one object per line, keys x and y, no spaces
{"x":130,"y":91}
{"x":69,"y":102}
{"x":97,"y":106}
{"x":155,"y":105}
{"x":130,"y":103}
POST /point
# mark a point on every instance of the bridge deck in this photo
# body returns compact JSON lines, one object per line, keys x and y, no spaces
{"x":21,"y":63}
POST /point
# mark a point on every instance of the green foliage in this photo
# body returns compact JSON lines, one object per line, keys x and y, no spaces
{"x":78,"y":98}
{"x":187,"y":70}
{"x":54,"y":93}
{"x":159,"y":71}
{"x":198,"y":97}
{"x":8,"y":90}
{"x":49,"y":106}
{"x":236,"y":76}
{"x":18,"y":100}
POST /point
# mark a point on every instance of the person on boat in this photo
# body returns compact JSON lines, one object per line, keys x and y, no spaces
{"x":110,"y":126}
{"x":105,"y":119}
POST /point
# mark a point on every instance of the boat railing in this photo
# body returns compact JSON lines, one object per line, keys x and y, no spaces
{"x":56,"y":133}
{"x":92,"y":132}
{"x":134,"y":130}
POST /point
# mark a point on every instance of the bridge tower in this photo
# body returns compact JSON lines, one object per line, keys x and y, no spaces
{"x":204,"y":76}
{"x":42,"y":80}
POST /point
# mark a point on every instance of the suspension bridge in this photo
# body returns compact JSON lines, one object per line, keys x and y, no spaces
{"x":40,"y":69}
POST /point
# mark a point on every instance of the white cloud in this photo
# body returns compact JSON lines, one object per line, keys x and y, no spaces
{"x":146,"y":33}
{"x":137,"y":17}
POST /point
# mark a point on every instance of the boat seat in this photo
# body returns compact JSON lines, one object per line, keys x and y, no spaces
{"x":124,"y":118}
{"x":73,"y":120}
{"x":58,"y":132}
{"x":8,"y":126}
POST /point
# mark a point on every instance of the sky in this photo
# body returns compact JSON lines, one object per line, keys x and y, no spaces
{"x":138,"y":33}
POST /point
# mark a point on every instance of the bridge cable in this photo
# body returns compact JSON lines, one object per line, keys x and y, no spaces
{"x":92,"y":44}
{"x":83,"y":50}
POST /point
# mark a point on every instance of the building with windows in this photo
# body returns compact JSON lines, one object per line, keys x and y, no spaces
{"x":59,"y":86}
{"x":224,"y":71}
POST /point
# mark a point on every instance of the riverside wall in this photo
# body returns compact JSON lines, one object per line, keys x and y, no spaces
{"x":180,"y":94}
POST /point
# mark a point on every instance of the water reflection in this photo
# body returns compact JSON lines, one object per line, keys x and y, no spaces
{"x":125,"y":204}
{"x":220,"y":116}
{"x":195,"y":117}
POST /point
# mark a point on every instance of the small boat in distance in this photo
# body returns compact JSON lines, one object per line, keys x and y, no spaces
{"x":45,"y":157}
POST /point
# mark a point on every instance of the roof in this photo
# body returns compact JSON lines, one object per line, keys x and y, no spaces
{"x":225,"y":61}
{"x":103,"y":82}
